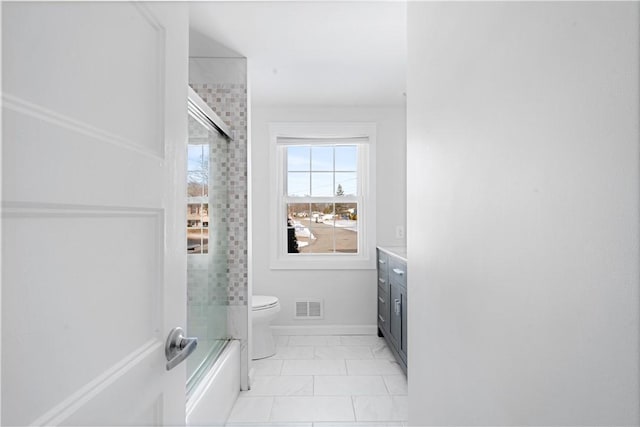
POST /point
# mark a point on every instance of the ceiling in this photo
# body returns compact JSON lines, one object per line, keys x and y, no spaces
{"x":313,"y":52}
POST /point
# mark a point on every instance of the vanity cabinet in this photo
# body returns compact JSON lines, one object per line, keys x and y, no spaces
{"x":383,"y":294}
{"x":392,"y":302}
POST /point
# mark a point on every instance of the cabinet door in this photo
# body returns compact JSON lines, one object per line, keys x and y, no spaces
{"x":398,"y":272}
{"x":395,"y":319}
{"x":403,"y":324}
{"x":398,"y":302}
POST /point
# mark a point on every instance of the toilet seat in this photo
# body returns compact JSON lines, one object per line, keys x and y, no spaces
{"x":263,"y":302}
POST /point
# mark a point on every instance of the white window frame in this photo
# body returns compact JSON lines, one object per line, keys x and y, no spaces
{"x":362,"y":134}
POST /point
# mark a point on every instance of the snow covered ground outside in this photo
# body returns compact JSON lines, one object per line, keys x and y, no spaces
{"x":347,"y":224}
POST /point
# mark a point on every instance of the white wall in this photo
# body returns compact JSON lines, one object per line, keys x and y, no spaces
{"x":203,"y":46}
{"x":212,"y":63}
{"x":523,"y":195}
{"x":349,"y":296}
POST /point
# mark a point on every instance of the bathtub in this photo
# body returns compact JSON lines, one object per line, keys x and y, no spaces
{"x":211,"y":400}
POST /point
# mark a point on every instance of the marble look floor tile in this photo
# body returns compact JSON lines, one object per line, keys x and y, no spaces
{"x":314,"y":340}
{"x":314,"y":367}
{"x":293,"y":385}
{"x":373,"y":367}
{"x":317,"y":368}
{"x":294,"y":352}
{"x":267,"y":424}
{"x":341,"y":385}
{"x":380,"y":408}
{"x":359,"y":424}
{"x":361,"y":340}
{"x":381,"y":351}
{"x":343,"y":352}
{"x":396,"y":384}
{"x":251,"y":409}
{"x":312,"y":409}
{"x":267,"y":367}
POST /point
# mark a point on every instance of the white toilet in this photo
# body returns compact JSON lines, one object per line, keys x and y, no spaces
{"x":263,"y":310}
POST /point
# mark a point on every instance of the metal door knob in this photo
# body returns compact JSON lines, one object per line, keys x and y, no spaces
{"x":178,"y":347}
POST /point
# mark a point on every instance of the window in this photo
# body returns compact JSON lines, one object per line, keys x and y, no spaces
{"x":197,"y":194}
{"x":322,"y":198}
{"x":324,"y":206}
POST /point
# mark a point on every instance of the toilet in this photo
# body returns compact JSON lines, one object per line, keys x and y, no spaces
{"x":263,"y":310}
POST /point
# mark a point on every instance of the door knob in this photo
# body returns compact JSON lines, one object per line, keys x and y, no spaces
{"x":178,"y":347}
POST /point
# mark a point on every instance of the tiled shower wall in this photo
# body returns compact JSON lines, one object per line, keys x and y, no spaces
{"x":229,"y":101}
{"x":222,"y":84}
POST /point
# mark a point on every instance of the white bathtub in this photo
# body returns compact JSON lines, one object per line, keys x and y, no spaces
{"x":212,"y":399}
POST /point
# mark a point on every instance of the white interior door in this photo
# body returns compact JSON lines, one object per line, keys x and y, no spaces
{"x":93,"y":248}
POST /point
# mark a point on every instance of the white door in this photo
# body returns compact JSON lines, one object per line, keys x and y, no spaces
{"x":93,"y":249}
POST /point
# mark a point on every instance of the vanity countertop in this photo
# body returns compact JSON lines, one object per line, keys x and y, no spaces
{"x":399,"y":251}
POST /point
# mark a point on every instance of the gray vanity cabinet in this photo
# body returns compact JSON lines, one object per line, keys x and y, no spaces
{"x":383,"y":292}
{"x":392,"y":303}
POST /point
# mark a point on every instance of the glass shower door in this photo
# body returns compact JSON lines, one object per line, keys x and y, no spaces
{"x":206,"y":244}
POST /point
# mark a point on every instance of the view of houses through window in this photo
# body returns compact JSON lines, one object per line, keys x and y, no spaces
{"x":197,"y":198}
{"x":322,"y":199}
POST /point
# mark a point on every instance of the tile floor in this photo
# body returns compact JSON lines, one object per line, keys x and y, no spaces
{"x":325,"y":381}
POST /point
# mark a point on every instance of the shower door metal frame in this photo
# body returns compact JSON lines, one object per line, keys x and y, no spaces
{"x":201,"y":112}
{"x":205,"y":114}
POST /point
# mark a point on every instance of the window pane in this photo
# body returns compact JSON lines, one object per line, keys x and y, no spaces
{"x":329,"y":228}
{"x":198,"y":170}
{"x":298,"y":184}
{"x":298,"y":158}
{"x":329,"y":173}
{"x":346,"y":228}
{"x":197,"y":240}
{"x":321,"y":226}
{"x":197,"y":185}
{"x":347,"y":158}
{"x":298,"y":232}
{"x":197,"y":157}
{"x":198,"y":153}
{"x":321,"y":184}
{"x":346,"y":184}
{"x":321,"y":158}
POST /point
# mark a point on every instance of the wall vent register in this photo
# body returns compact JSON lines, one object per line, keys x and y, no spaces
{"x":309,"y":309}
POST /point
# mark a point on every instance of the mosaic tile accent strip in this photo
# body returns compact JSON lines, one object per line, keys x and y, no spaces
{"x":229,"y":101}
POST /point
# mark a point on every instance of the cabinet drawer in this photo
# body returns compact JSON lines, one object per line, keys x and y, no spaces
{"x":383,"y":263}
{"x":398,"y":272}
{"x":383,"y":308}
{"x":383,"y":281}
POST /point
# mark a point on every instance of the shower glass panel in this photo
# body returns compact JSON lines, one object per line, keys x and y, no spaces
{"x":207,"y":203}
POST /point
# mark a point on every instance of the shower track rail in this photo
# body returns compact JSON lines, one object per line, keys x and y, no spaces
{"x":205,"y":115}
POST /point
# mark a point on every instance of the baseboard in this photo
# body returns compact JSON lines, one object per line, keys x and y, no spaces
{"x":325,"y":329}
